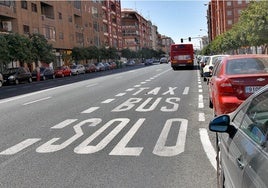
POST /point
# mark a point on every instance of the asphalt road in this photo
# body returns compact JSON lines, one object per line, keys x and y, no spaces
{"x":145,"y":127}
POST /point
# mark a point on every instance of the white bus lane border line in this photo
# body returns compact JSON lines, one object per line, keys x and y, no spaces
{"x":208,"y":148}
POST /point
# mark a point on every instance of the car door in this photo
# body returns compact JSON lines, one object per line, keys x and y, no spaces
{"x":255,"y":151}
{"x":246,"y":157}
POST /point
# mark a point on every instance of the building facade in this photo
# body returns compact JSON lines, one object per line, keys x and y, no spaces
{"x":222,"y":14}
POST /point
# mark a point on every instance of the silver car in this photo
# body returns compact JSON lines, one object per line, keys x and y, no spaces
{"x":78,"y":69}
{"x":1,"y":80}
{"x":242,"y":145}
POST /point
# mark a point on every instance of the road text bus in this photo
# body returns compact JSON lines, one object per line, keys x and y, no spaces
{"x":181,"y":55}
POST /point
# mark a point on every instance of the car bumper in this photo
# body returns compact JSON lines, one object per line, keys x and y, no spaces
{"x":227,"y":104}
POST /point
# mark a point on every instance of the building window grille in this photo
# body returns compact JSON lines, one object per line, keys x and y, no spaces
{"x":24,"y":4}
{"x":26,"y":29}
{"x":34,"y":7}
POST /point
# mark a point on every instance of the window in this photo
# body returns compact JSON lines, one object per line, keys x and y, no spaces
{"x":24,"y":4}
{"x":255,"y":120}
{"x":229,"y":13}
{"x":230,"y":22}
{"x":60,"y":15}
{"x":34,"y":7}
{"x":49,"y":32}
{"x":70,"y":19}
{"x":26,"y":29}
{"x":61,"y":35}
{"x":229,"y":3}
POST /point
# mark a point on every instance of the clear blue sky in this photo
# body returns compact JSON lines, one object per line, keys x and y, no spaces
{"x":176,"y":19}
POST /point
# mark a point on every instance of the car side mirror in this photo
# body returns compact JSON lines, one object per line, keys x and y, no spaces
{"x":220,"y":123}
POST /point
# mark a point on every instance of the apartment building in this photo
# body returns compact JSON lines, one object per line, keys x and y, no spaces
{"x":222,"y":14}
{"x":65,"y":24}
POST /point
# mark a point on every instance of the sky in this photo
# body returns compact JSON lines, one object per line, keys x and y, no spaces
{"x":176,"y":19}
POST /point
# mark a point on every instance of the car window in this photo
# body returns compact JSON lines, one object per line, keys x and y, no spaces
{"x":247,"y":66}
{"x":254,"y":118}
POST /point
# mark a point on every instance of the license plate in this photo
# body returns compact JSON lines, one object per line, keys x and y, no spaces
{"x":252,"y":89}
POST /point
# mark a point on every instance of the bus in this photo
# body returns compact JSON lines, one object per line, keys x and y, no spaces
{"x":182,"y":55}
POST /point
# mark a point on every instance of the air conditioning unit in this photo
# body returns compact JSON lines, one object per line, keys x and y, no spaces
{"x":7,"y":25}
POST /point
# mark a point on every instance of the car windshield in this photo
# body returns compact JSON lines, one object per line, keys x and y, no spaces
{"x":73,"y":66}
{"x":247,"y":66}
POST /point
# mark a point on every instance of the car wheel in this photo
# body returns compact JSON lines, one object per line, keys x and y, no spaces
{"x":17,"y":82}
{"x":210,"y":104}
{"x":30,"y":80}
{"x":44,"y":78}
{"x":53,"y":76}
{"x":1,"y":84}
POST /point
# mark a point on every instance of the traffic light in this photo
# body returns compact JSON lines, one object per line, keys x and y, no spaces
{"x":189,"y":39}
{"x":181,"y":40}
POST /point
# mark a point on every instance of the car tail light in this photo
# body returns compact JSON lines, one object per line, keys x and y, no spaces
{"x":225,"y":87}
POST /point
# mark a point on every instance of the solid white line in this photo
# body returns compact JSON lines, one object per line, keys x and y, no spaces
{"x":88,"y":111}
{"x":20,"y":146}
{"x":36,"y":101}
{"x":201,"y":116}
{"x":209,"y":150}
{"x":107,"y":101}
{"x":186,"y":91}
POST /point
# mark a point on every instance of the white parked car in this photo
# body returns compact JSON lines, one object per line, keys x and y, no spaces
{"x":207,"y":69}
{"x":78,"y":69}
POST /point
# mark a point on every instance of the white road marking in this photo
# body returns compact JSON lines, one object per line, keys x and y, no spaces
{"x":137,"y":86}
{"x":107,"y":101}
{"x":143,"y":83}
{"x":121,"y":149}
{"x":200,"y":101}
{"x":130,"y":89}
{"x":148,"y":80}
{"x":64,"y":124}
{"x":186,"y":91}
{"x":200,"y":90}
{"x":210,"y":152}
{"x":201,"y":116}
{"x":199,"y":86}
{"x":20,"y":146}
{"x":161,"y":149}
{"x":36,"y":101}
{"x":91,"y":85}
{"x":90,"y":110}
{"x":120,"y":94}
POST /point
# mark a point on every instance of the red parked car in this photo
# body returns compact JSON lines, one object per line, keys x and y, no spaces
{"x":62,"y":71}
{"x":234,"y":79}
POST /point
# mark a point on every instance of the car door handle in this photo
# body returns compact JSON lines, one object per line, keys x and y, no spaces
{"x":240,"y":163}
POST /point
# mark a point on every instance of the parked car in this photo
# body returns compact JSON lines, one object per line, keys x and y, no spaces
{"x":242,"y":143}
{"x":163,"y":60}
{"x":202,"y":64}
{"x":77,"y":69}
{"x":148,"y":62}
{"x":100,"y":67}
{"x":1,"y":80}
{"x":45,"y":73}
{"x":107,"y":66}
{"x":62,"y":71}
{"x":207,"y":69}
{"x":113,"y":65}
{"x":90,"y":67}
{"x":17,"y":75}
{"x":130,"y":63}
{"x":235,"y":79}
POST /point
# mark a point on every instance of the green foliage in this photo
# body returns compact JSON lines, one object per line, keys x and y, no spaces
{"x":15,"y":47}
{"x":250,"y":30}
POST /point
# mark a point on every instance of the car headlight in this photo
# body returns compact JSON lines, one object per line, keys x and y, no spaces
{"x":11,"y":77}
